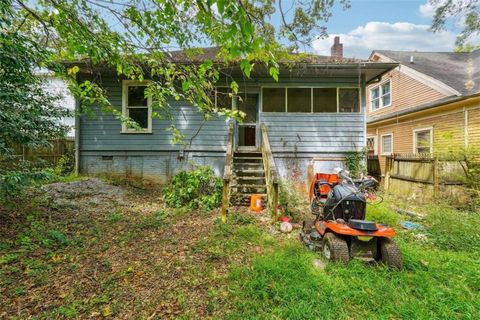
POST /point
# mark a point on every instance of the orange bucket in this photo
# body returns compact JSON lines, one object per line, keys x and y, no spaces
{"x":256,"y":203}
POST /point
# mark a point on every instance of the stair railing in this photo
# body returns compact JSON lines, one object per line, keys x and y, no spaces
{"x":271,"y":175}
{"x":227,"y":173}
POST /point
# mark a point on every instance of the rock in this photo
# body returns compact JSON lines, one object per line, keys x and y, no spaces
{"x":318,"y":263}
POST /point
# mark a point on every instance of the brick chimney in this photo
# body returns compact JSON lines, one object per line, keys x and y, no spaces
{"x":337,"y":48}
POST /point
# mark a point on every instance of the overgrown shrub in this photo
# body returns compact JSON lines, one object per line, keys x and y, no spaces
{"x":356,"y":163}
{"x":13,"y":183}
{"x":292,"y":200}
{"x":199,"y":188}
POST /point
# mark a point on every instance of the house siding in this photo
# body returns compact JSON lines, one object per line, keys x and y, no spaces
{"x":449,"y":130}
{"x":295,"y":138}
{"x":407,"y":92}
{"x":104,"y":149}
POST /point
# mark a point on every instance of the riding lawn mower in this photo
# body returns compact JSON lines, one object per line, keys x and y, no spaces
{"x":339,"y":229}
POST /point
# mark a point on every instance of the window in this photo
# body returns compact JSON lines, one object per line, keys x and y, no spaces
{"x":273,"y":100}
{"x":348,"y":100}
{"x":380,"y":96}
{"x":136,"y":106}
{"x":371,"y":146}
{"x":324,"y":99}
{"x":387,"y":144}
{"x":299,"y":100}
{"x":422,"y":140}
{"x":308,"y":100}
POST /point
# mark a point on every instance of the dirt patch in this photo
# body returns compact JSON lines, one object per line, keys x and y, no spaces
{"x":89,"y":249}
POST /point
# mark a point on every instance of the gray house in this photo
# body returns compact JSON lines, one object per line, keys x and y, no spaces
{"x":316,"y":111}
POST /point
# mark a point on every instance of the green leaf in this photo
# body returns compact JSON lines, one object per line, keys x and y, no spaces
{"x":273,"y":71}
{"x":246,"y":67}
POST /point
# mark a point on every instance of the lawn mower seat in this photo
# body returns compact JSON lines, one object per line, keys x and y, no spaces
{"x":362,"y":225}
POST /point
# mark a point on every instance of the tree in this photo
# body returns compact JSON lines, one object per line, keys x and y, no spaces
{"x":468,"y":11}
{"x":29,"y":116}
{"x":135,"y":38}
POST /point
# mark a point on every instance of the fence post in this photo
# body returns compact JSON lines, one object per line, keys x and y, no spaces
{"x":386,"y":184}
{"x":436,"y":178}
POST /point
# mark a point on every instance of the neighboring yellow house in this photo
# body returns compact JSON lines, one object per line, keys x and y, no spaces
{"x":430,"y":103}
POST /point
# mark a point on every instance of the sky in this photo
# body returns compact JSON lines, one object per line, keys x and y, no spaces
{"x":387,"y":24}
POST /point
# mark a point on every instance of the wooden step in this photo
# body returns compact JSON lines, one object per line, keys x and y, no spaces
{"x":247,"y":154}
{"x":249,"y":173}
{"x":247,"y":159}
{"x":248,"y":178}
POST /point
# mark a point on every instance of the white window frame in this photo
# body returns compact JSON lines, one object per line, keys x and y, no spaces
{"x":380,"y":95}
{"x":381,"y":144}
{"x":375,"y":144}
{"x":311,"y":95}
{"x":135,"y":83}
{"x":415,"y":138}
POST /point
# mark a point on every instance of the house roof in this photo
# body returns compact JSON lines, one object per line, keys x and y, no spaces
{"x":298,"y":65}
{"x":459,"y":70}
{"x":212,"y":53}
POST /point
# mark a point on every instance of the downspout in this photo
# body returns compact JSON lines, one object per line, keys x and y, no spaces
{"x":465,"y":128}
{"x":77,"y":136}
{"x":363,"y":101}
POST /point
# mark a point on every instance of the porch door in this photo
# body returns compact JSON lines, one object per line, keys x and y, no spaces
{"x":247,"y":130}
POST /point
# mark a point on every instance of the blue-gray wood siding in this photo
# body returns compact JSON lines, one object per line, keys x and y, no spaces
{"x":103,"y":132}
{"x":292,"y":135}
{"x":315,"y":132}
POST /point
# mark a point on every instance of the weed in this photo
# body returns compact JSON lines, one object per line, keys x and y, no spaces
{"x":194,"y":189}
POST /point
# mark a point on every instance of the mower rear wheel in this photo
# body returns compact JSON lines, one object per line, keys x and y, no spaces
{"x":391,"y":254}
{"x":335,"y":248}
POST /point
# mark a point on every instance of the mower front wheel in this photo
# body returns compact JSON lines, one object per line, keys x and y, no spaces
{"x":335,"y":248}
{"x":391,"y":254}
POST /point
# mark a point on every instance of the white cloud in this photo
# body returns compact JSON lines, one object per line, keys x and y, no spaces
{"x":427,"y":10}
{"x":360,"y":42}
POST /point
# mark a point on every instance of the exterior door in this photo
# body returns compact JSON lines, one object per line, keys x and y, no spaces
{"x":247,"y":130}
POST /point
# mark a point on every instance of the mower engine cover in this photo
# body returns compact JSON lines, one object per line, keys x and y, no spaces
{"x":348,"y":202}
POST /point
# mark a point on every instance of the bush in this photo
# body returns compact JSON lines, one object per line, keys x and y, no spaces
{"x":293,"y":201}
{"x":199,"y":188}
{"x":13,"y":183}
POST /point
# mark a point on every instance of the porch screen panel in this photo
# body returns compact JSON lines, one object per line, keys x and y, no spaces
{"x":324,"y":100}
{"x":223,"y":98}
{"x":348,"y":100}
{"x":273,"y":100}
{"x":299,"y":100}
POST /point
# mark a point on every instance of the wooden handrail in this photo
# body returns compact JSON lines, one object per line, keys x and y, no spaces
{"x":227,"y":173}
{"x":271,"y":175}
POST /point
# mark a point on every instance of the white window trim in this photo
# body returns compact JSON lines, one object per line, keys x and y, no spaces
{"x":311,"y":94}
{"x":415,"y":138}
{"x":380,"y":95}
{"x":125,"y":85}
{"x":381,"y":144}
{"x":375,"y":144}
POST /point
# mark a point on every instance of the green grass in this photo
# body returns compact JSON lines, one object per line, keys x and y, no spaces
{"x":441,"y":277}
{"x":237,"y":270}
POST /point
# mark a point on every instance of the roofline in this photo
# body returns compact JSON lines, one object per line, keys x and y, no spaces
{"x":423,"y":107}
{"x":422,"y":77}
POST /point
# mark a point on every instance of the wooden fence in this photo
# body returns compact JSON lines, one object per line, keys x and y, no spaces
{"x":48,"y":154}
{"x":423,"y":176}
{"x":373,"y":167}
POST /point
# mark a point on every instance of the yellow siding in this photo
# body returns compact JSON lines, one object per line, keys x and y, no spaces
{"x":406,"y":93}
{"x":448,"y":131}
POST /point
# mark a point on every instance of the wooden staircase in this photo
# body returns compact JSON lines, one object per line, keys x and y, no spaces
{"x":249,"y":172}
{"x":248,"y":177}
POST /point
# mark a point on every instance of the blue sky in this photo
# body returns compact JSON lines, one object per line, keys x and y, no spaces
{"x":388,"y":24}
